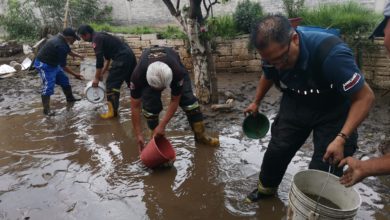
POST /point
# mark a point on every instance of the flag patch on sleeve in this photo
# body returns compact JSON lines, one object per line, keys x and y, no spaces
{"x":351,"y":82}
{"x":132,"y":86}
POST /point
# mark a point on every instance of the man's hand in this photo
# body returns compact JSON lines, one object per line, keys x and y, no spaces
{"x":95,"y":82}
{"x":79,"y":76}
{"x":140,"y":142}
{"x":335,"y":151}
{"x":355,"y":172}
{"x":159,"y":131}
{"x":253,"y":108}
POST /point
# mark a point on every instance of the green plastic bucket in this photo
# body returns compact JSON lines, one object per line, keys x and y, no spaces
{"x":255,"y":126}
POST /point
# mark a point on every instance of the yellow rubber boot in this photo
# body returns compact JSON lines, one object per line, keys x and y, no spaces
{"x":110,"y":112}
{"x":202,"y":137}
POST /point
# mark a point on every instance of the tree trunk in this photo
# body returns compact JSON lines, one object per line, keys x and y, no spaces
{"x":66,"y":14}
{"x":200,"y":63}
{"x":205,"y":78}
{"x":212,"y":73}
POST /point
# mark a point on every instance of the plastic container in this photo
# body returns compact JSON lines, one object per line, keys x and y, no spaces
{"x":302,"y":207}
{"x":255,"y":126}
{"x":333,"y":31}
{"x":158,"y":152}
{"x":95,"y":94}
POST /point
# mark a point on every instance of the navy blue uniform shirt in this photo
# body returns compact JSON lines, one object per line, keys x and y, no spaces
{"x":171,"y":58}
{"x":54,"y":51}
{"x":108,"y":47}
{"x":339,"y":69}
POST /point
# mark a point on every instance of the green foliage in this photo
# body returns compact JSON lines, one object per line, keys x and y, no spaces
{"x":21,"y":22}
{"x":293,"y":7}
{"x":222,"y":26}
{"x":351,"y":18}
{"x":246,"y":15}
{"x":172,"y":32}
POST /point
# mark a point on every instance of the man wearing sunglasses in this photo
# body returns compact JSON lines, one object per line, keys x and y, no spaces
{"x":324,"y":93}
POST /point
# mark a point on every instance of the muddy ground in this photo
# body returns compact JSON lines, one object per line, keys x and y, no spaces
{"x":78,"y":166}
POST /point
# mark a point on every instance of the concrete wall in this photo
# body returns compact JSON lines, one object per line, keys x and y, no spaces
{"x":154,"y":12}
{"x":233,"y":56}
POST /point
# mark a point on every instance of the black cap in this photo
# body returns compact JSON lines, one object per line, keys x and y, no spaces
{"x":69,"y":32}
{"x":379,"y":30}
{"x":85,"y":29}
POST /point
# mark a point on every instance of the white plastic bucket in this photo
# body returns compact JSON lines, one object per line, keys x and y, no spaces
{"x":95,"y":94}
{"x":302,"y":207}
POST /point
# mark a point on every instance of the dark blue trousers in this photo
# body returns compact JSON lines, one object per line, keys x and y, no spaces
{"x":297,"y":118}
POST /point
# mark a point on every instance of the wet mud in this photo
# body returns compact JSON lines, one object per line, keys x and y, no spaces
{"x":78,"y":166}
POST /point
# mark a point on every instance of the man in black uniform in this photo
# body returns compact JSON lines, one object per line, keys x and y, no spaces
{"x":159,"y":68}
{"x":324,"y":93}
{"x":107,"y":48}
{"x":51,"y":63}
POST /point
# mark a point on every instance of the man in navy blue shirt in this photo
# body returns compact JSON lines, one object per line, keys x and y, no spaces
{"x":51,"y":63}
{"x":324,"y":93}
{"x":108,"y":47}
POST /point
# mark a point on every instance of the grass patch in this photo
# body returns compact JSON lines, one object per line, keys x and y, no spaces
{"x":169,"y":32}
{"x":351,"y":18}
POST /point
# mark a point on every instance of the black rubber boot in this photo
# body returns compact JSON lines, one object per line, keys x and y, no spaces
{"x":69,"y":94}
{"x":261,"y":193}
{"x":46,"y":105}
{"x":114,"y":99}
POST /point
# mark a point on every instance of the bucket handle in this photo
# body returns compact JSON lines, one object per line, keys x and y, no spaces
{"x":313,"y":215}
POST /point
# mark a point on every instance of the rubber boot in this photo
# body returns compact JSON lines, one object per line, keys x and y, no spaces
{"x":69,"y":94}
{"x":110,"y":111}
{"x":112,"y":105}
{"x":260,"y":193}
{"x":46,"y":105}
{"x":201,"y":136}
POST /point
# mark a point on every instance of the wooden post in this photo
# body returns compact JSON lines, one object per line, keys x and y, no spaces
{"x":66,"y":14}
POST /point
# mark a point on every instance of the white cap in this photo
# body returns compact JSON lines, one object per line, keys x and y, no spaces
{"x":159,"y":75}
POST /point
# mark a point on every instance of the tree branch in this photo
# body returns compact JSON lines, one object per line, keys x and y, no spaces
{"x":176,"y":13}
{"x":210,"y":7}
{"x":178,"y":6}
{"x":170,"y":7}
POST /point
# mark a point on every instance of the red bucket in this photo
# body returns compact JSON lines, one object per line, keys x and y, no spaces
{"x":157,"y":152}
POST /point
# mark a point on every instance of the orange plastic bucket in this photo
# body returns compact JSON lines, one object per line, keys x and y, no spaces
{"x":157,"y":152}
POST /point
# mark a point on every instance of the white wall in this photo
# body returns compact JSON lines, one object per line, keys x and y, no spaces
{"x":154,"y":12}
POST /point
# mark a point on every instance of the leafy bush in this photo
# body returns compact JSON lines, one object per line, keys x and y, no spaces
{"x":350,"y":17}
{"x":21,"y":22}
{"x":222,"y":26}
{"x":246,"y":14}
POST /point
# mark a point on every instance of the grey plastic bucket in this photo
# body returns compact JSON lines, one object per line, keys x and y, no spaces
{"x":302,"y":207}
